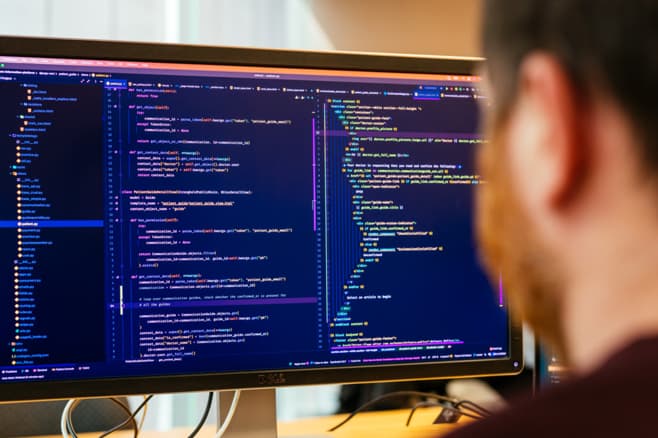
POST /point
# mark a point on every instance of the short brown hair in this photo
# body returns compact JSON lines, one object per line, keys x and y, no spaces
{"x":600,"y":43}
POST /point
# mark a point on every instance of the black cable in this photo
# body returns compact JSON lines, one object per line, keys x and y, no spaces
{"x":455,"y":408}
{"x":449,"y":403}
{"x":419,"y":405}
{"x":204,"y":417}
{"x":71,"y":427}
{"x":133,"y":422}
{"x":475,"y":416}
{"x":393,"y":395}
{"x":474,"y":407}
{"x":129,"y":419}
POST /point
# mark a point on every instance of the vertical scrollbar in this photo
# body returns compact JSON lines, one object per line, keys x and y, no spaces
{"x":315,"y":189}
{"x":121,"y":300}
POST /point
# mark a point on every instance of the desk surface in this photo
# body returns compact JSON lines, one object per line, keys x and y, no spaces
{"x":382,"y":424}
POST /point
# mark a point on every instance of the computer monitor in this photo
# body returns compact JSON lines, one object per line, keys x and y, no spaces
{"x":183,"y":218}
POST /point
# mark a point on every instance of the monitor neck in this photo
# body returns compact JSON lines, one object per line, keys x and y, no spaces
{"x":255,"y":416}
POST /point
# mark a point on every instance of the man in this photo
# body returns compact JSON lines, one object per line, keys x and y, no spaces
{"x":570,"y":210}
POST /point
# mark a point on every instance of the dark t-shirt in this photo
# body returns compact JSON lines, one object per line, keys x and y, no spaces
{"x":619,"y":399}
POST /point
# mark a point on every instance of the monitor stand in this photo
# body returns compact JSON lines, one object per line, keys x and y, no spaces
{"x":255,"y":416}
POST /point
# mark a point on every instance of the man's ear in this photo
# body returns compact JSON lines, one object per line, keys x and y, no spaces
{"x":557,"y":156}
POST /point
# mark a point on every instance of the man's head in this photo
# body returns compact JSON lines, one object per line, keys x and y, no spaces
{"x":573,"y":156}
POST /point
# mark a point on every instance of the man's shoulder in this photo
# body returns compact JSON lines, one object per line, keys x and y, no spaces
{"x":619,"y":398}
{"x":550,"y":415}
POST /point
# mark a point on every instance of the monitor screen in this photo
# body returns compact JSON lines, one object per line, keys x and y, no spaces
{"x":244,"y":217}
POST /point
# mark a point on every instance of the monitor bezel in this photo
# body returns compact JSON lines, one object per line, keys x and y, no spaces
{"x":238,"y":56}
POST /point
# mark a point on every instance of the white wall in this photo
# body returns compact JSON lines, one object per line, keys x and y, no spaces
{"x":261,"y":23}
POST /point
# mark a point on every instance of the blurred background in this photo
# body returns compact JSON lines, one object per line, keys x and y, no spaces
{"x":440,"y":27}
